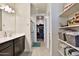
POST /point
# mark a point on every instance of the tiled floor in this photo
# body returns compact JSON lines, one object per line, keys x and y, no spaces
{"x":40,"y":51}
{"x":37,"y":51}
{"x":26,"y":54}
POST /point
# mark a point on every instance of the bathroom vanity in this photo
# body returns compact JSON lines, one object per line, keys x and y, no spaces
{"x":12,"y":46}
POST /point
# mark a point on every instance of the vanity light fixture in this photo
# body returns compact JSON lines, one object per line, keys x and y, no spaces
{"x":7,"y":8}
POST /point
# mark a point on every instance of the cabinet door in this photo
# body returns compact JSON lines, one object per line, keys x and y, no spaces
{"x":19,"y":45}
{"x":7,"y":51}
{"x":5,"y":45}
{"x":23,"y":40}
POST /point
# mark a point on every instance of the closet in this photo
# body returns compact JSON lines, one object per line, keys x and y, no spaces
{"x":40,"y":32}
{"x":68,"y":42}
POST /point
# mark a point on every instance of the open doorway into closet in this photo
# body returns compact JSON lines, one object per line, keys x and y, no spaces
{"x":40,"y":28}
{"x":40,"y":32}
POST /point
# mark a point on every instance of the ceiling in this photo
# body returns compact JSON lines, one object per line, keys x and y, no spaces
{"x":38,"y":8}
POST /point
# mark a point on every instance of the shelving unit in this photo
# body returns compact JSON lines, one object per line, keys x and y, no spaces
{"x":70,"y":10}
{"x":77,"y":48}
{"x":65,"y":15}
{"x":72,"y":26}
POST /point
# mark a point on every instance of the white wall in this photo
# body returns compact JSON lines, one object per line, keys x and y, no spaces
{"x":23,"y":22}
{"x":45,"y":32}
{"x":40,"y":22}
{"x":55,"y":11}
{"x":47,"y":18}
{"x":48,"y":28}
{"x":33,"y":18}
{"x":0,"y":20}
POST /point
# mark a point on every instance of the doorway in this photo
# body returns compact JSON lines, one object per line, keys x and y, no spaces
{"x":40,"y":44}
{"x":40,"y":32}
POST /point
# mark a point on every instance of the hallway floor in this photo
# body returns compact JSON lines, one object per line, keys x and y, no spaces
{"x":40,"y":51}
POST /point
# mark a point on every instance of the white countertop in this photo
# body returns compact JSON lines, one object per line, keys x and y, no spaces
{"x":5,"y":39}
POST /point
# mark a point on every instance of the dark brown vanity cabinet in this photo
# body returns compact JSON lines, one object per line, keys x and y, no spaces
{"x":13,"y":48}
{"x":19,"y":45}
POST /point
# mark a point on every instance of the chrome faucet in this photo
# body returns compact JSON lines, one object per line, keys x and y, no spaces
{"x":5,"y":35}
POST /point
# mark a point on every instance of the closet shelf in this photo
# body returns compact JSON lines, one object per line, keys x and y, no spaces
{"x":77,"y":48}
{"x":65,"y":15}
{"x":60,"y":52}
{"x":70,"y":10}
{"x":72,"y":26}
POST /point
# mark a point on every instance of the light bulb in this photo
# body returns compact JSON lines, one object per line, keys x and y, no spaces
{"x":13,"y":11}
{"x":6,"y":8}
{"x":9,"y":11}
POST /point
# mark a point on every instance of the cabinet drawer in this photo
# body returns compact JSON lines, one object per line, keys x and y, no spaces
{"x":19,"y":38}
{"x":5,"y":45}
{"x":7,"y":51}
{"x":18,"y":48}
